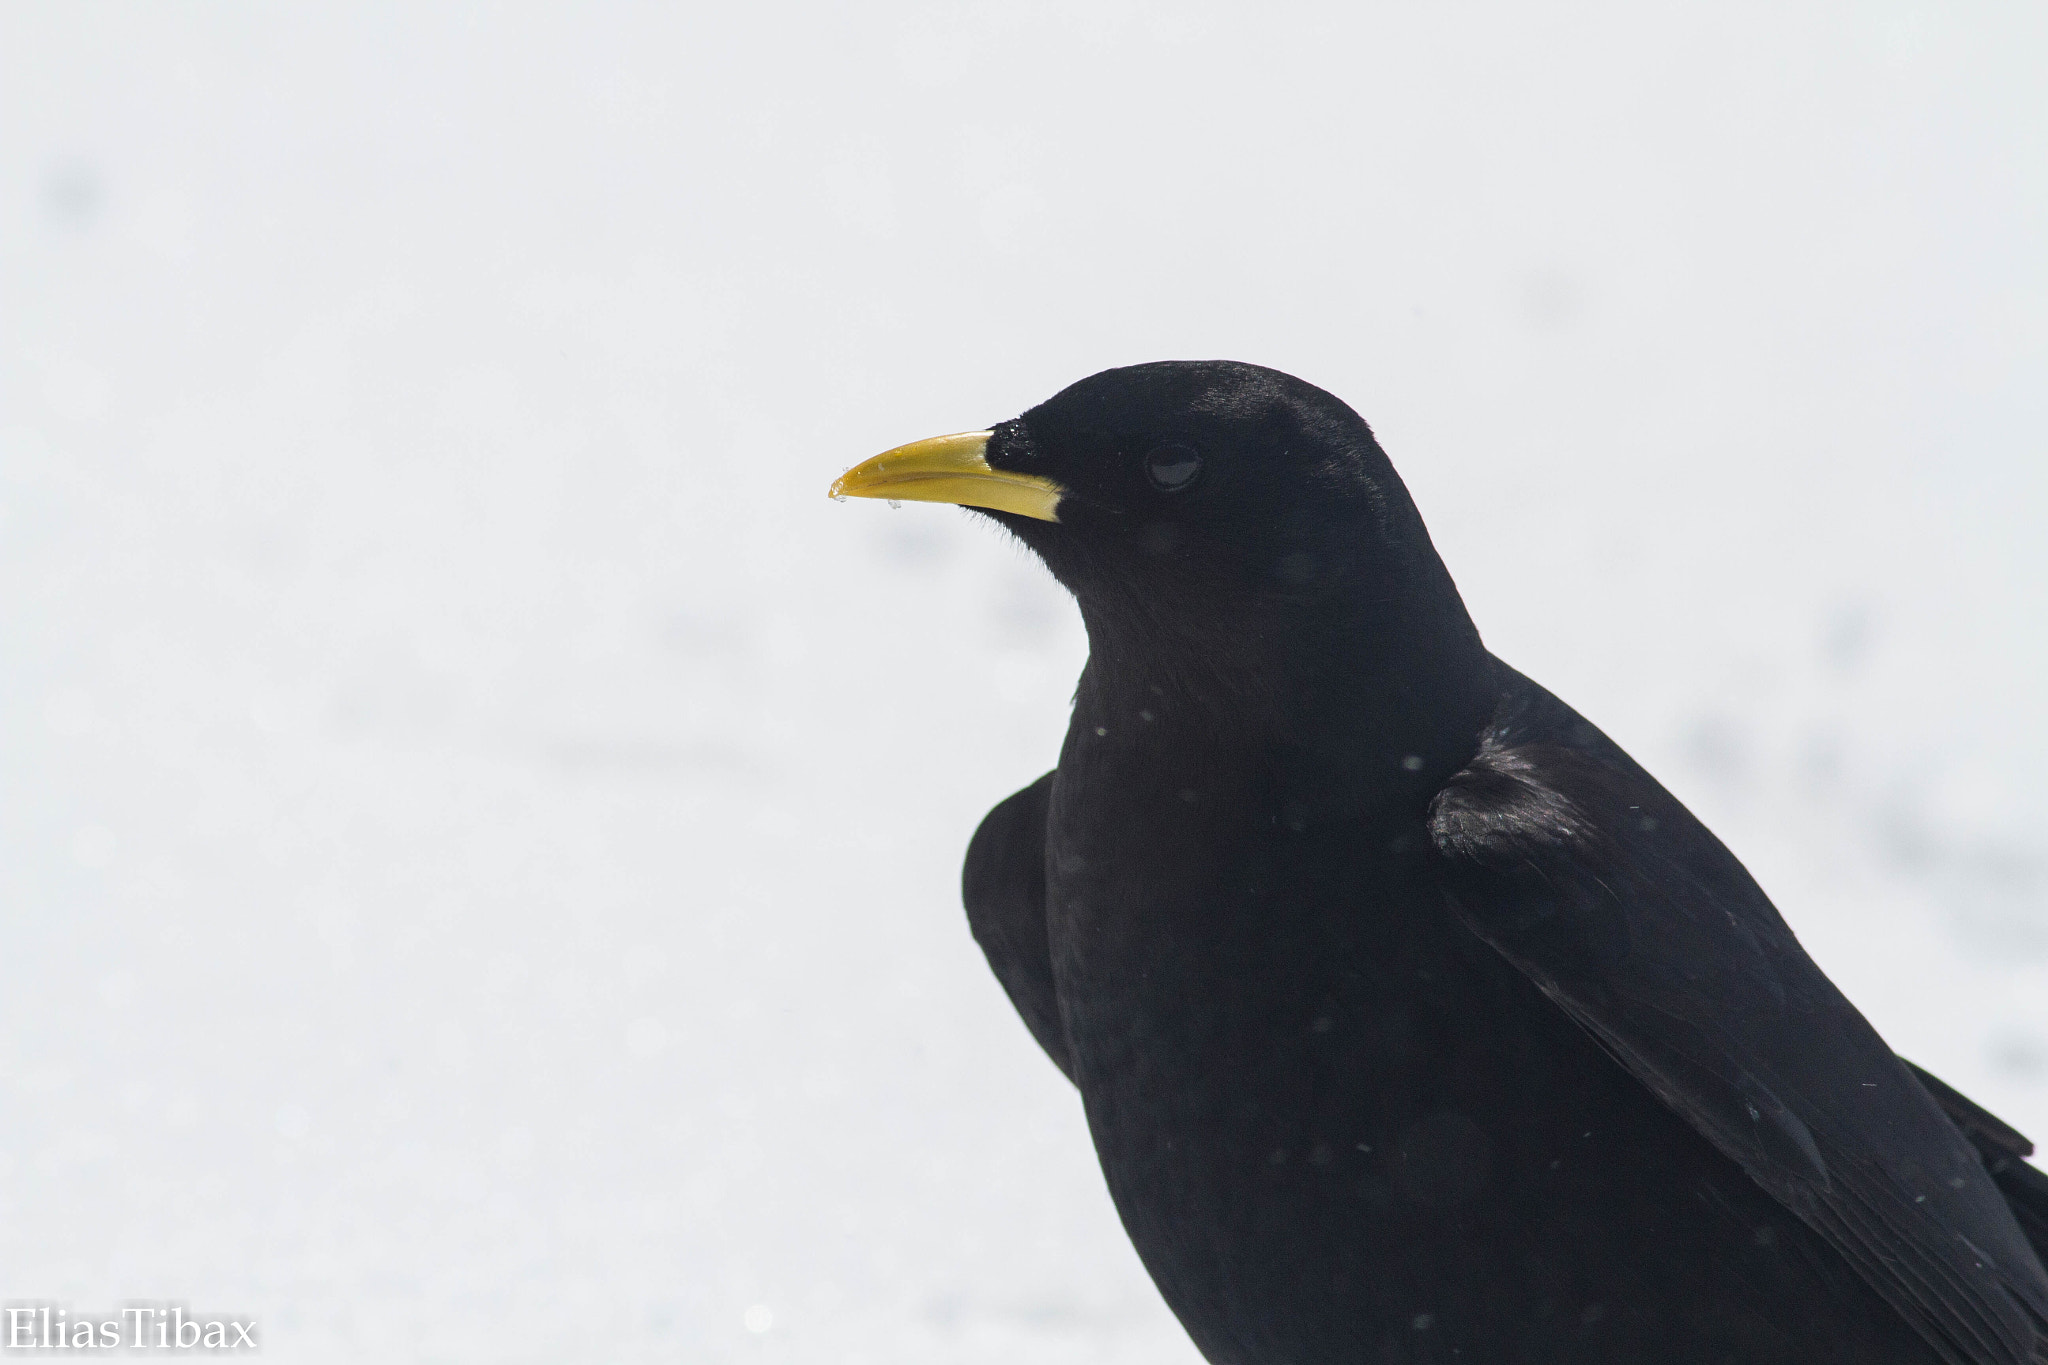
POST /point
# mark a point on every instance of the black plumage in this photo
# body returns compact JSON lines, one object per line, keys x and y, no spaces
{"x":1413,"y":1020}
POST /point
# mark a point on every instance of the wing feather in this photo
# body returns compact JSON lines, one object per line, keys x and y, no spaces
{"x":1581,"y":870}
{"x":1003,"y":888}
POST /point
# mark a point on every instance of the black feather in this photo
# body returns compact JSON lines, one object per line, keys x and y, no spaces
{"x":1413,"y":1020}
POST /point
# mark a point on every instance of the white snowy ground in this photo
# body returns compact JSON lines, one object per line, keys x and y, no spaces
{"x":480,"y":829}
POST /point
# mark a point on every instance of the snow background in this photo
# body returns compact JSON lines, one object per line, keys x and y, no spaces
{"x":479,"y":830}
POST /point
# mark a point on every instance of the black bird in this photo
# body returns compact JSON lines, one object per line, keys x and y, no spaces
{"x":1413,"y":1020}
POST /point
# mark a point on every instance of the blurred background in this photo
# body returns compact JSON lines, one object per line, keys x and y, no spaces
{"x":479,"y":830}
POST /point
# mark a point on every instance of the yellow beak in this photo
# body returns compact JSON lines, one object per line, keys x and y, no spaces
{"x":950,"y":469}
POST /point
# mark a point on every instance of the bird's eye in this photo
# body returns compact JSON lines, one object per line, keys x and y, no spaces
{"x":1172,"y":468}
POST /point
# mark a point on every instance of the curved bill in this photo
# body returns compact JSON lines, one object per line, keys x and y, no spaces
{"x":950,"y":469}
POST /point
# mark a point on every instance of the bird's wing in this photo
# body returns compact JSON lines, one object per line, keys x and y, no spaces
{"x":1593,"y":880}
{"x":1003,"y":885}
{"x":2005,"y":1151}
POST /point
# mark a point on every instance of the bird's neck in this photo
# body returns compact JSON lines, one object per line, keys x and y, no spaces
{"x":1363,"y":701}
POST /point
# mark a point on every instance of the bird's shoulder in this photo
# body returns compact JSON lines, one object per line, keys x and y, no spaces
{"x":1577,"y":866}
{"x":1552,"y":809}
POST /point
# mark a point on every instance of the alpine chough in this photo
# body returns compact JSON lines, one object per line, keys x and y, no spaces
{"x":1413,"y":1020}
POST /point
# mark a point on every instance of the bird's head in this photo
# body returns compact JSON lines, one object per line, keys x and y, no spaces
{"x":1206,"y":502}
